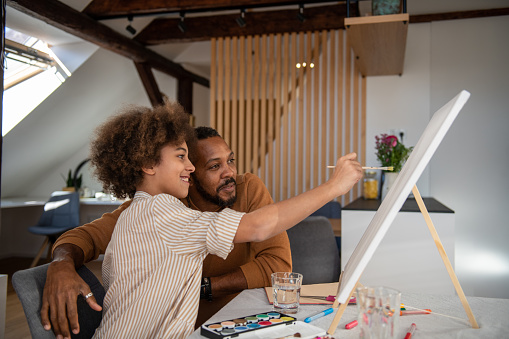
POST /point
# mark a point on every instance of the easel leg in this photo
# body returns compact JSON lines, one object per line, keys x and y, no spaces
{"x":445,"y":258}
{"x":341,"y":310}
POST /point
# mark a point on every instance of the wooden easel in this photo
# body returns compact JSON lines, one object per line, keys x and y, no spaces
{"x":447,"y":264}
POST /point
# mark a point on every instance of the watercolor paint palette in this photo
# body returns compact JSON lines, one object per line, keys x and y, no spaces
{"x":236,"y":327}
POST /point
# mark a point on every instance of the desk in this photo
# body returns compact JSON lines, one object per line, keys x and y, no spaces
{"x":491,"y":315}
{"x":407,"y":258}
{"x":20,"y":213}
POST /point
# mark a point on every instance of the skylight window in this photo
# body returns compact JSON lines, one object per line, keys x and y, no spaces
{"x":31,"y":73}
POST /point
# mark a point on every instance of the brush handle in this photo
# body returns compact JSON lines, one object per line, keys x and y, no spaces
{"x":366,"y":167}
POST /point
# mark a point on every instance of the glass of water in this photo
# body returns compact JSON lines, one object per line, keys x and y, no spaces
{"x":379,"y":309}
{"x":286,"y":291}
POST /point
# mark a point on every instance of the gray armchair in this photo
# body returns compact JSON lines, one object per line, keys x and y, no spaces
{"x":29,"y":285}
{"x":314,"y":251}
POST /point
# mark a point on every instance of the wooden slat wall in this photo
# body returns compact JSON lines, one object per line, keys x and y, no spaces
{"x":286,"y":124}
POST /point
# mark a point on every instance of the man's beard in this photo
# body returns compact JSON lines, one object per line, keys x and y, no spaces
{"x":215,"y":198}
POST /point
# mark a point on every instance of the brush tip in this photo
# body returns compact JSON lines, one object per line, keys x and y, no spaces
{"x":390,"y":168}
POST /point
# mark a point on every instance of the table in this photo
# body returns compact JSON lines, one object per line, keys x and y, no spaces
{"x":407,"y":258}
{"x":491,"y":314}
{"x":20,"y":213}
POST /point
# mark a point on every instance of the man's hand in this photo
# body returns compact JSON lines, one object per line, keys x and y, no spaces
{"x":59,"y":300}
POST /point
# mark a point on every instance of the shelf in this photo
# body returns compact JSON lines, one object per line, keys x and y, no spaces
{"x":378,"y":43}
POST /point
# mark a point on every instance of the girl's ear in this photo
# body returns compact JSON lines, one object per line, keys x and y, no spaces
{"x":148,"y":170}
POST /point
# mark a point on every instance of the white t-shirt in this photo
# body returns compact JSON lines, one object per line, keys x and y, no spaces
{"x":153,"y":265}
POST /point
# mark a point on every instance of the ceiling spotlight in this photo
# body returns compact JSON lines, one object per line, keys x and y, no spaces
{"x":181,"y":25}
{"x":130,"y":28}
{"x":298,"y":65}
{"x":300,"y":15}
{"x":240,"y":20}
{"x":311,"y":65}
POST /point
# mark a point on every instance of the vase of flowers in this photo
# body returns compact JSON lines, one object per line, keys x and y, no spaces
{"x":391,"y":153}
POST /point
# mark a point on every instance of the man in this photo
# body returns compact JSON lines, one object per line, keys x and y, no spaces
{"x":215,"y":185}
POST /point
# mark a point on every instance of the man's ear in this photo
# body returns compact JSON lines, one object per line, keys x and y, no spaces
{"x":148,"y":170}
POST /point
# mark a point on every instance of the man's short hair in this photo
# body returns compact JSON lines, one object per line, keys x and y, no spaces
{"x":205,"y":132}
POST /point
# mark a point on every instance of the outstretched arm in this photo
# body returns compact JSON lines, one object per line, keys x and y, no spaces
{"x":276,"y":218}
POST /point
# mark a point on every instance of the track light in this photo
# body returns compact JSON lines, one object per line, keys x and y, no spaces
{"x":130,"y":28}
{"x":300,"y":15}
{"x":181,"y":25}
{"x":240,"y":20}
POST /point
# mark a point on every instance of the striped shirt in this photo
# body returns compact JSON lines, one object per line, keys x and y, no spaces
{"x":153,"y":264}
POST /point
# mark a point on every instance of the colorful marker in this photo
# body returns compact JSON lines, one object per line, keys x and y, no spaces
{"x":426,"y":311}
{"x":411,"y":331}
{"x":319,"y":315}
{"x":352,"y":324}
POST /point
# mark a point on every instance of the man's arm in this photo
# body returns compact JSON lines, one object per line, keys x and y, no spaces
{"x":61,"y":289}
{"x":63,"y":284}
{"x":93,"y":238}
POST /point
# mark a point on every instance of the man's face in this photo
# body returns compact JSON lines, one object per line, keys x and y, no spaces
{"x":214,"y":177}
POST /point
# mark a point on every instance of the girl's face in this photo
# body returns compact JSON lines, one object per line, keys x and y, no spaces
{"x":173,"y":171}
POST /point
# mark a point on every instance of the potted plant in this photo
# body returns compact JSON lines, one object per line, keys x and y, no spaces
{"x":71,"y":183}
{"x":391,"y":153}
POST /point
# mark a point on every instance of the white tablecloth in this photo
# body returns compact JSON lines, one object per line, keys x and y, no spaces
{"x":492,"y":315}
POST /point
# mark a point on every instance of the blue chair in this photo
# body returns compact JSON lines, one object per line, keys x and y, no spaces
{"x":332,"y":211}
{"x":61,"y":213}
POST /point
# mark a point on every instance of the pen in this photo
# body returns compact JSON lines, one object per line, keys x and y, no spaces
{"x":319,"y":315}
{"x":411,"y":331}
{"x":352,"y":324}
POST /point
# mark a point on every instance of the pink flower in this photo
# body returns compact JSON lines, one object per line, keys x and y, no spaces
{"x":390,"y":152}
{"x":392,"y":140}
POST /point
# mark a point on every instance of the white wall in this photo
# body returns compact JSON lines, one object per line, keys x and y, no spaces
{"x":468,"y":173}
{"x":470,"y":169}
{"x":402,"y":102}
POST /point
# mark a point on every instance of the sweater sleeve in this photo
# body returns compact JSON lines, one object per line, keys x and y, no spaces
{"x":93,"y":238}
{"x":271,"y":255}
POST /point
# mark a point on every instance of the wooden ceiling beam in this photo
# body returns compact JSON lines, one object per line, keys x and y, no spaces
{"x":109,"y":9}
{"x":149,"y":83}
{"x":481,"y":13}
{"x":71,"y":21}
{"x":161,"y":31}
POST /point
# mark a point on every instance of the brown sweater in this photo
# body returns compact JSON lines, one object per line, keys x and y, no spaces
{"x":256,"y":260}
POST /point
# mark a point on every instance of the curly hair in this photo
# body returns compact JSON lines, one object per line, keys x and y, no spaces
{"x":133,"y":139}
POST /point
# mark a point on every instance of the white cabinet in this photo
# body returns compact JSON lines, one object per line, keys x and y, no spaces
{"x":407,"y":258}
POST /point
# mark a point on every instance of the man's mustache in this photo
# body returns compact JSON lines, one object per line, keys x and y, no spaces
{"x":227,"y":182}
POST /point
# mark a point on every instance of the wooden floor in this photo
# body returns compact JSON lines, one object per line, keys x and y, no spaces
{"x":15,"y":323}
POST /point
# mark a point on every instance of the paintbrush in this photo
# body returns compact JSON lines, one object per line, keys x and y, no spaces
{"x":295,"y":335}
{"x":390,"y":168}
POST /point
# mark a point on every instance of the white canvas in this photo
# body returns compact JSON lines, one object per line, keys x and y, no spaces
{"x":407,"y":178}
